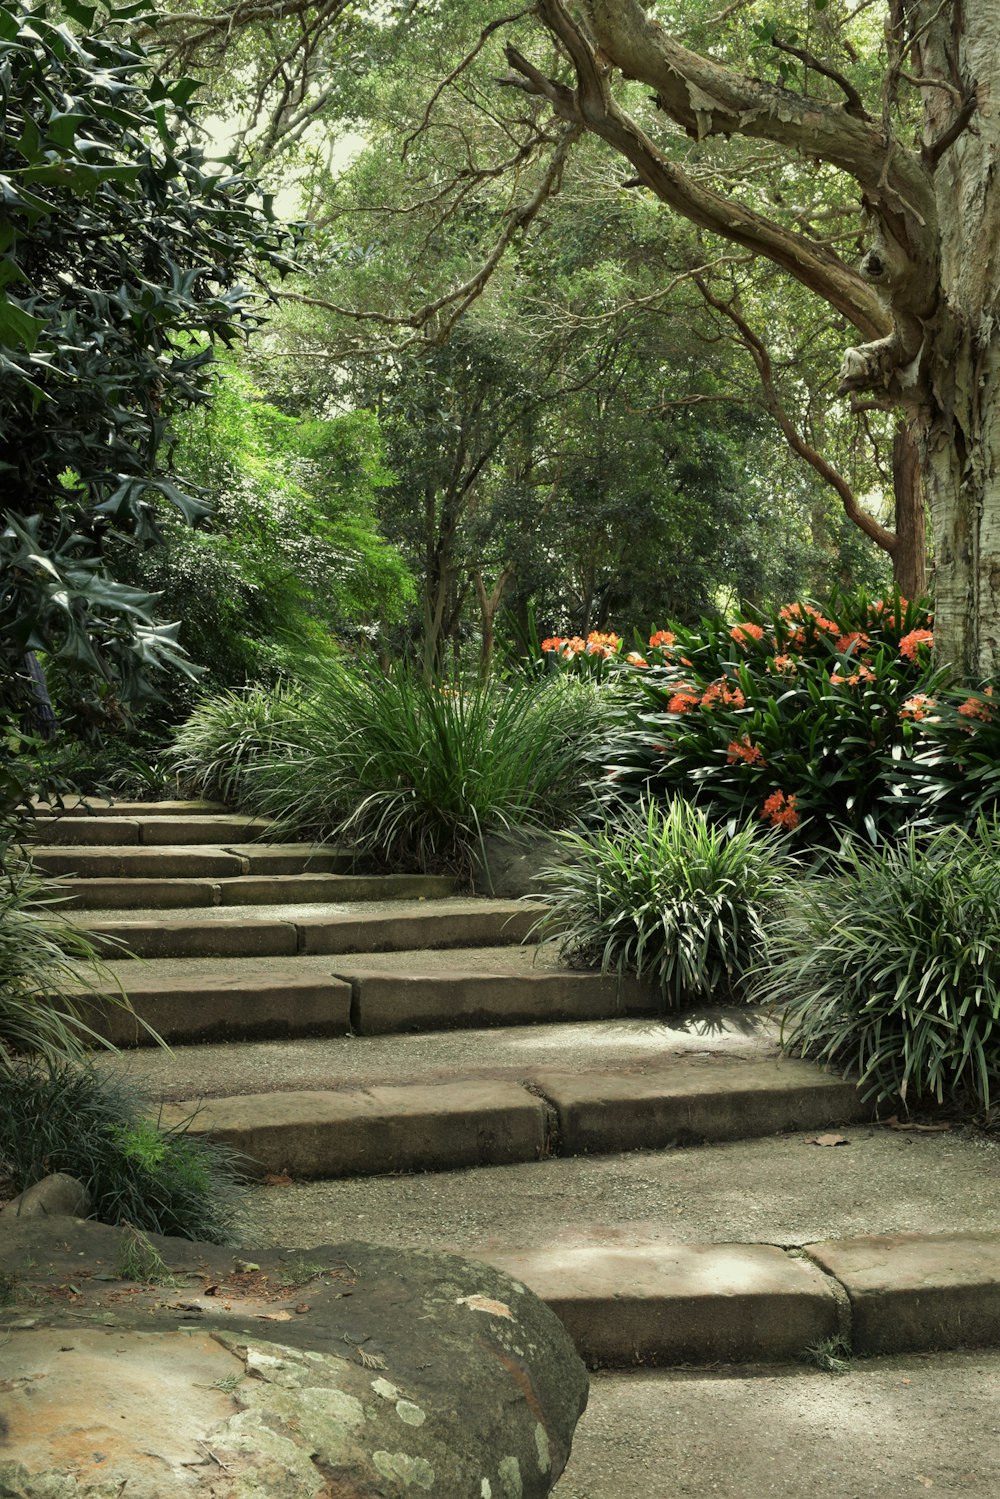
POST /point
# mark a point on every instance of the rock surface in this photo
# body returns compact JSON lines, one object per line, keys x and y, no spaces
{"x":55,"y":1196}
{"x":348,"y":1371}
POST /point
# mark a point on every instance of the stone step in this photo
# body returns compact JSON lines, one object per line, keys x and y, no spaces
{"x":150,"y":830}
{"x":181,"y":861}
{"x":436,"y":1126}
{"x":137,"y":893}
{"x":99,"y":806}
{"x":364,"y":927}
{"x":247,"y":998}
{"x":688,"y":1255}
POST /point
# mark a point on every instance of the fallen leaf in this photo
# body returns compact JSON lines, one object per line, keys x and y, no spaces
{"x":276,"y":1316}
{"x":303,"y":1306}
{"x":830,"y":1140}
{"x":211,"y":1291}
{"x":928,"y":1483}
{"x":906,"y":1381}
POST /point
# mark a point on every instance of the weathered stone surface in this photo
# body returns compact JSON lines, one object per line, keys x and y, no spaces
{"x":352,"y":1373}
{"x":227,"y":1007}
{"x":508,"y":863}
{"x":680,"y":1303}
{"x":692,"y":1099}
{"x":417,"y":1127}
{"x":916,"y":1291}
{"x":183,"y":938}
{"x":55,"y":1196}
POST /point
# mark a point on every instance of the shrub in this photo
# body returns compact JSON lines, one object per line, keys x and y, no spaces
{"x":44,"y":960}
{"x":816,"y":722}
{"x":669,"y":897}
{"x":410,"y":771}
{"x":230,"y":734}
{"x":888,"y":966}
{"x":93,"y":1125}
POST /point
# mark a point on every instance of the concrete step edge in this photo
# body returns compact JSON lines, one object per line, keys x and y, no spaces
{"x":868,"y":1296}
{"x":435,"y":1126}
{"x":100,"y":892}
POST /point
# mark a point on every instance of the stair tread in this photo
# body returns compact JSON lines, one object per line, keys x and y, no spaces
{"x":306,"y":910}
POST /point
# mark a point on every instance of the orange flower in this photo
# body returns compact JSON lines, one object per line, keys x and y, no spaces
{"x":554,"y":643}
{"x":743,"y":634}
{"x":856,"y":637}
{"x":784,"y":664}
{"x":634,"y":659}
{"x":683,"y":700}
{"x":801,"y":614}
{"x":725,"y":692}
{"x":918,"y":706}
{"x":611,"y":641}
{"x":662,"y":637}
{"x":910,"y":644}
{"x":974,"y":707}
{"x":744,"y":750}
{"x":779,"y":810}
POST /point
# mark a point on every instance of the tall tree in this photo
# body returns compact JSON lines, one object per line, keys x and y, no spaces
{"x":923,"y":294}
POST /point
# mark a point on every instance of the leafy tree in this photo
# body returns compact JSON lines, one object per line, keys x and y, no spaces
{"x":291,"y":552}
{"x":124,"y":255}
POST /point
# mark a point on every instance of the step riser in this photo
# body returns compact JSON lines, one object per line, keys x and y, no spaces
{"x":383,"y":1129}
{"x":685,"y":1304}
{"x":248,"y":890}
{"x":177,"y":1011}
{"x":100,"y":807}
{"x":318,"y":935}
{"x":149,"y":832}
{"x":330,"y":1135}
{"x":254,"y":1012}
{"x":179,"y":863}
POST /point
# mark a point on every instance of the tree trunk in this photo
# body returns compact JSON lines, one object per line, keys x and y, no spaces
{"x":909,"y":558}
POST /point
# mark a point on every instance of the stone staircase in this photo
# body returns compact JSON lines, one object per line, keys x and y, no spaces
{"x":340,"y":1028}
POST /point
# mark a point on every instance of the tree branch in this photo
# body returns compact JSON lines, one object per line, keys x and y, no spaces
{"x":862,"y":518}
{"x":855,"y":104}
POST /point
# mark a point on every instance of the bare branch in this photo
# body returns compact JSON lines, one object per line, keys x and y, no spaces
{"x":933,"y":153}
{"x":458,"y":70}
{"x":855,"y":104}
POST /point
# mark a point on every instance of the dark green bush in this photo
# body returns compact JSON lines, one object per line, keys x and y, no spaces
{"x":94,"y":1125}
{"x":888,"y":967}
{"x":665,"y":895}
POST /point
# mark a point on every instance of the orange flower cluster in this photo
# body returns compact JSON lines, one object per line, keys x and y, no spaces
{"x":854,"y":678}
{"x":918,"y":706}
{"x":910,"y":644}
{"x":743,"y":634}
{"x":596,"y":644}
{"x":785,"y":665}
{"x":634,"y":659}
{"x":855,"y":638}
{"x":798,"y":615}
{"x":779,"y":810}
{"x":662,"y":637}
{"x":725,"y":692}
{"x":743,"y":750}
{"x":974,"y":707}
{"x":684,"y":699}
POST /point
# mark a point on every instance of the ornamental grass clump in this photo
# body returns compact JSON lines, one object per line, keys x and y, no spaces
{"x":96,"y":1126}
{"x":887,"y":967}
{"x":415,"y":772}
{"x":48,"y":970}
{"x":665,"y":895}
{"x":228,"y":735}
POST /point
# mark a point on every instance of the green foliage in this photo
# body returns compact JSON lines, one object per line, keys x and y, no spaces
{"x":292,"y":550}
{"x":124,"y":255}
{"x":217,"y":749}
{"x":805,"y":719}
{"x":411,"y":771}
{"x":44,"y":963}
{"x":888,"y":967}
{"x":96,"y":1126}
{"x":666,"y":895}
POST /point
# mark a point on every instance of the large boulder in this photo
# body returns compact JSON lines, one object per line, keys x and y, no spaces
{"x":348,"y":1371}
